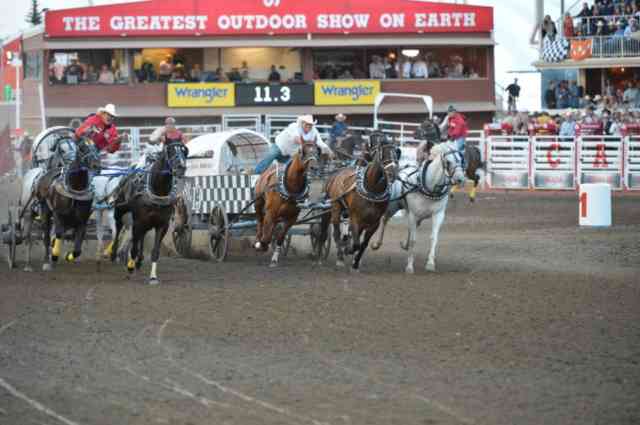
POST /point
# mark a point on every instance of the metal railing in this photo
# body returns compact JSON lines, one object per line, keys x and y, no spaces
{"x":588,"y":25}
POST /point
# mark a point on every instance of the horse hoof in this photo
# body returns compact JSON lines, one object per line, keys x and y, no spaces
{"x":154,"y":281}
{"x":430,"y":267}
{"x":409,"y":270}
{"x":273,"y":264}
{"x":28,"y":269}
{"x":339,"y":263}
{"x":46,"y":267}
{"x":257,"y":246}
{"x":354,"y":270}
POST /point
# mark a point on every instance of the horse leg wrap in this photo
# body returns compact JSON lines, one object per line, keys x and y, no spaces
{"x":108,"y":250}
{"x":57,"y":247}
{"x":472,"y":195}
{"x":70,"y":257}
{"x":131,"y":264}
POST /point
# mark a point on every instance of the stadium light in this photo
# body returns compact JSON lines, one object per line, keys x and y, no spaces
{"x":411,"y":53}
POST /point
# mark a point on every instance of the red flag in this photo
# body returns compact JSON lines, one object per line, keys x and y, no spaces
{"x":580,"y":49}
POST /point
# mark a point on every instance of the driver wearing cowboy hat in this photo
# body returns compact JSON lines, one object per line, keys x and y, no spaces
{"x":105,"y":135}
{"x":289,"y":141}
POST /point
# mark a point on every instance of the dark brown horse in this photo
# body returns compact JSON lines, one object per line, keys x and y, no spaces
{"x":278,"y":193}
{"x":362,"y":194}
{"x":64,"y":194}
{"x":473,"y":163}
{"x":150,"y":197}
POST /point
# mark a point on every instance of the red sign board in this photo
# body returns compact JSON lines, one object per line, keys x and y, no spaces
{"x":267,"y":17}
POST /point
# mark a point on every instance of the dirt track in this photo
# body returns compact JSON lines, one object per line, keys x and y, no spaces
{"x":529,"y":320}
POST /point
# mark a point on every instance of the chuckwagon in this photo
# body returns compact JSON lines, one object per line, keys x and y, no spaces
{"x":218,"y":193}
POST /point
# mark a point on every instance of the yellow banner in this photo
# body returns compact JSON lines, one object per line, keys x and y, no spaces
{"x":200,"y":95}
{"x":349,"y":92}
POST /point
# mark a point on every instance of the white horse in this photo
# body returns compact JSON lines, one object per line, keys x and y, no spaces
{"x":423,"y":191}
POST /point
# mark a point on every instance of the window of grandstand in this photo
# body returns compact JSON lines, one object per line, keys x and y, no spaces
{"x":261,"y":64}
{"x":33,"y":65}
{"x":168,"y":65}
{"x":406,"y":63}
{"x":89,"y":67}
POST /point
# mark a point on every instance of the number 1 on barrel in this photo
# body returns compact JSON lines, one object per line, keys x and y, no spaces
{"x":583,"y":204}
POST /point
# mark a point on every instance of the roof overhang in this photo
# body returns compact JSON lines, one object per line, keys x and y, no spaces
{"x":482,"y":39}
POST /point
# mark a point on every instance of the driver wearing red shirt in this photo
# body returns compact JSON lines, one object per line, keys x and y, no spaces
{"x":105,"y":134}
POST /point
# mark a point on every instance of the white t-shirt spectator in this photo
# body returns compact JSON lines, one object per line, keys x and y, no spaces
{"x":420,"y":69}
{"x":406,"y":69}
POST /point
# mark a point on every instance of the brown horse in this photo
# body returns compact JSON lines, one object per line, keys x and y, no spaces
{"x":278,"y":192}
{"x":362,"y":193}
{"x":473,"y":163}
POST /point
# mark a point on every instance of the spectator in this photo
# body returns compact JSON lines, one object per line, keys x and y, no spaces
{"x":562,"y":96}
{"x":568,"y":127}
{"x":358,"y":73}
{"x":376,"y":68}
{"x":91,"y":75}
{"x":585,"y":23}
{"x":178,"y":74}
{"x":420,"y":68}
{"x":195,"y":74}
{"x":389,"y":68}
{"x":586,"y":102}
{"x":73,"y":73}
{"x":550,"y":96}
{"x":234,"y":75}
{"x":567,"y":26}
{"x":407,"y":66}
{"x":220,"y":75}
{"x":244,"y":70}
{"x":548,"y":28}
{"x":274,"y":75}
{"x":56,"y":71}
{"x":165,"y":69}
{"x":457,"y":69}
{"x":631,"y":28}
{"x":574,"y":95}
{"x":106,"y":75}
{"x":630,"y":94}
{"x":514,"y":93}
{"x":346,"y":74}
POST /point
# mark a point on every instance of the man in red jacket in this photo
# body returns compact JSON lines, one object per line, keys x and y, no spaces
{"x":105,"y":135}
{"x":456,"y":128}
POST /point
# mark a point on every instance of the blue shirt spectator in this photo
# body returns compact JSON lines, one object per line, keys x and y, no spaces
{"x":568,"y":127}
{"x":338,"y":129}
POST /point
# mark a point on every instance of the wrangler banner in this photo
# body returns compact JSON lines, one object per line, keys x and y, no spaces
{"x":200,"y":95}
{"x":350,"y":92}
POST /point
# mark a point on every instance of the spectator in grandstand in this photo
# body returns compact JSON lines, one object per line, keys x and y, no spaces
{"x":274,"y":75}
{"x":106,"y":75}
{"x":632,"y":27}
{"x":73,"y":73}
{"x":165,"y":69}
{"x":56,"y":71}
{"x":389,"y":68}
{"x":548,"y":28}
{"x":590,"y":116}
{"x":568,"y":126}
{"x":514,"y":93}
{"x":420,"y":68}
{"x":585,"y":23}
{"x":562,"y":95}
{"x":345,"y":74}
{"x":550,"y":96}
{"x":244,"y":69}
{"x":195,"y":74}
{"x":90,"y":75}
{"x":574,"y":95}
{"x":405,"y":71}
{"x":376,"y":68}
{"x":567,"y":26}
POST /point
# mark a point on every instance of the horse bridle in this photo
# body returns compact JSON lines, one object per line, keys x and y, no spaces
{"x":309,"y":156}
{"x":445,"y":164}
{"x":378,"y":148}
{"x":181,"y":153}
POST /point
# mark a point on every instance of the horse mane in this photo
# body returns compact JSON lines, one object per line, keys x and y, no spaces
{"x":440,"y":149}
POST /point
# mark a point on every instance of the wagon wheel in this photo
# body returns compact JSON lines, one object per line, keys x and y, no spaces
{"x":182,"y":234}
{"x":219,"y":233}
{"x":324,"y":250}
{"x":11,"y":241}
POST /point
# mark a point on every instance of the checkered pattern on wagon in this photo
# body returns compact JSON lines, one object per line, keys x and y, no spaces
{"x":232,"y":192}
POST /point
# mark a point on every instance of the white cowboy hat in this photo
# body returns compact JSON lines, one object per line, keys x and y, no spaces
{"x":109,"y":109}
{"x":341,"y":117}
{"x":307,"y":119}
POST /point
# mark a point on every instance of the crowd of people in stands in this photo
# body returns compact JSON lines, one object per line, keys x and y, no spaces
{"x":77,"y":72}
{"x":616,"y":18}
{"x":567,"y":94}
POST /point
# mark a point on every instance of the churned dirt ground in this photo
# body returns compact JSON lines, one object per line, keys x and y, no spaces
{"x":529,"y":320}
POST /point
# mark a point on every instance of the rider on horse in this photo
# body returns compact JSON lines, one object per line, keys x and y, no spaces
{"x":290,"y":140}
{"x":100,"y":128}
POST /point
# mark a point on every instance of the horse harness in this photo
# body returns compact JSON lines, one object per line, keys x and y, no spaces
{"x":439,"y":192}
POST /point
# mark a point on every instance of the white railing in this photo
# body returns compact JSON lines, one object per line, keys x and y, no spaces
{"x":600,"y":160}
{"x":508,"y":162}
{"x":554,"y":163}
{"x":632,"y":163}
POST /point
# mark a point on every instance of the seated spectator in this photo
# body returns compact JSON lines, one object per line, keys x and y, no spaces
{"x":234,"y":75}
{"x":165,"y":69}
{"x":376,"y":68}
{"x":106,"y":75}
{"x":346,"y":74}
{"x":91,"y":75}
{"x":420,"y":68}
{"x":620,"y":29}
{"x":195,"y":74}
{"x":73,"y":73}
{"x":473,"y":73}
{"x":407,"y":66}
{"x":274,"y":75}
{"x":568,"y":127}
{"x":457,"y":68}
{"x":631,"y":28}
